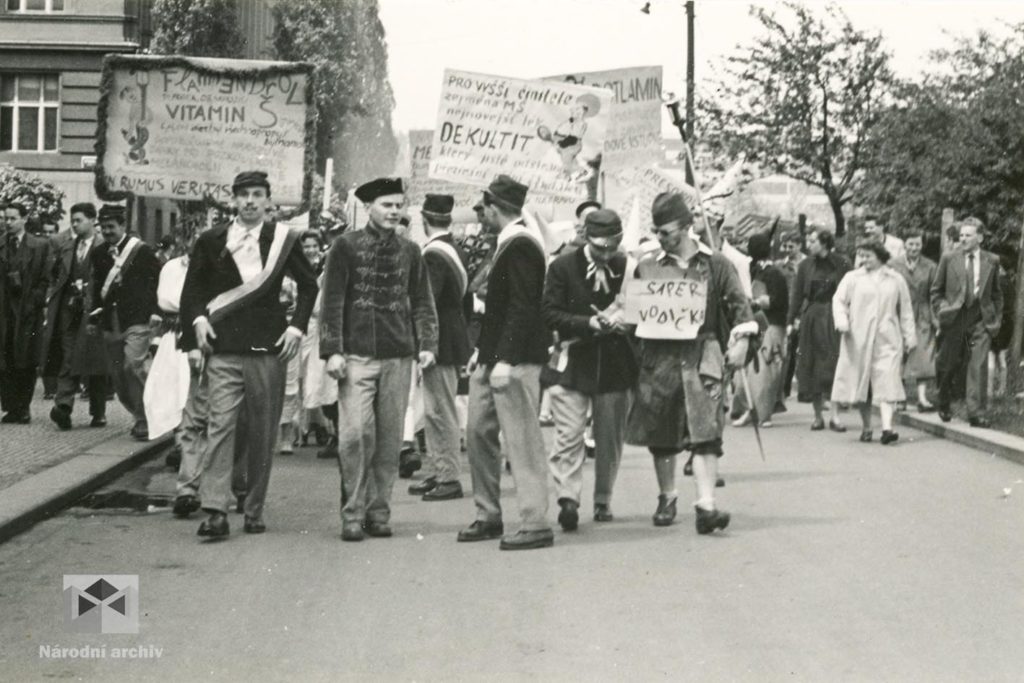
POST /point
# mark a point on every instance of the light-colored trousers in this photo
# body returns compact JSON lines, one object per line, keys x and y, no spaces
{"x":511,"y":411}
{"x":441,"y":422}
{"x":372,"y":399}
{"x":569,"y":409}
{"x":191,"y":435}
{"x":129,"y":367}
{"x":976,"y":396}
{"x":231,"y":378}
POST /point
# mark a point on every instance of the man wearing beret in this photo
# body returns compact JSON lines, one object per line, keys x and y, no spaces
{"x":504,"y":391}
{"x":125,"y":277}
{"x":233,"y":320}
{"x":597,"y":364}
{"x":446,"y":266}
{"x":377,"y":317}
{"x":679,"y":399}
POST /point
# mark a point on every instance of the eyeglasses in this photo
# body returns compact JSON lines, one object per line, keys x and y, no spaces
{"x":665,"y":232}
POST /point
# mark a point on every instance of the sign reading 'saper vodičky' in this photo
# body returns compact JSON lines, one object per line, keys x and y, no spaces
{"x":183,"y":127}
{"x":666,"y":308}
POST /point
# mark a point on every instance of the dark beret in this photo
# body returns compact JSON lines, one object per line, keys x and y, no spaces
{"x":112,"y":212}
{"x":601,"y":225}
{"x":380,"y":187}
{"x":508,"y":192}
{"x":759,"y":247}
{"x":250,"y":179}
{"x":668,"y":207}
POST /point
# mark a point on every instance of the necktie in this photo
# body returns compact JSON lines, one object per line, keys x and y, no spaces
{"x":970,"y":278}
{"x":599,"y":275}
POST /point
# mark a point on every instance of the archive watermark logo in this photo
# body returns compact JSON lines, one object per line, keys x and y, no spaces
{"x":101,"y":603}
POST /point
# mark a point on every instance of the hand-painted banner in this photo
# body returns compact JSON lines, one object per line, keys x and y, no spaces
{"x":666,"y":309}
{"x":420,"y":182}
{"x":634,"y":126}
{"x":182,"y":128}
{"x":543,"y":134}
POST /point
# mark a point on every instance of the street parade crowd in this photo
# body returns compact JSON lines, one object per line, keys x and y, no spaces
{"x":396,"y":358}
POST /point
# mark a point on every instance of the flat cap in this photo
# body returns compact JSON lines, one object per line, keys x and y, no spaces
{"x":380,"y":187}
{"x":589,"y":204}
{"x":602,"y":227}
{"x":507,"y":191}
{"x":250,"y":179}
{"x":112,"y":212}
{"x":668,"y":207}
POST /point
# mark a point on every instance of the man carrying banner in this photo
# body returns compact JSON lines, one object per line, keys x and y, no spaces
{"x":504,"y":391}
{"x":232,"y":319}
{"x":598,"y":367}
{"x":378,"y":314}
{"x":679,"y":400}
{"x":449,"y":281}
{"x":125,"y":277}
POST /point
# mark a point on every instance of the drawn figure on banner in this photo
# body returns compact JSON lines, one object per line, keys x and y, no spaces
{"x":139,"y":116}
{"x":568,"y":135}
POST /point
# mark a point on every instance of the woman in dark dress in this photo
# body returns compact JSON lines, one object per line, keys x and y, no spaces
{"x":810,"y":312}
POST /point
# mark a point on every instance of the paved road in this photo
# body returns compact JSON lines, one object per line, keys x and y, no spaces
{"x":844,"y":562}
{"x":31,"y":448}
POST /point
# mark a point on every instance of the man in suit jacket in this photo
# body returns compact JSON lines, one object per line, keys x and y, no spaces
{"x":597,"y":364}
{"x":504,"y":391}
{"x":449,"y":281}
{"x":968,"y":303}
{"x":69,"y":353}
{"x":232,"y":318}
{"x":23,"y":282}
{"x":125,"y":276}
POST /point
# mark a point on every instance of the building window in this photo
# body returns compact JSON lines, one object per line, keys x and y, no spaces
{"x":29,"y":112}
{"x":35,"y":5}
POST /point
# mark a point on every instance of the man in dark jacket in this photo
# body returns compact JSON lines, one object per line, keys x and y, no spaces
{"x":504,"y":392}
{"x":23,"y":282}
{"x":596,"y":360}
{"x":125,"y":275}
{"x":377,"y":315}
{"x":446,"y":266}
{"x":70,"y":353}
{"x":232,"y":317}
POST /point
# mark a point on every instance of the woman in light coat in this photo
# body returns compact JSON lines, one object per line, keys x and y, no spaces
{"x":874,"y":315}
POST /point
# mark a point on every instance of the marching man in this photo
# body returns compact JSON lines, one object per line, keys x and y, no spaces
{"x":232,"y":318}
{"x":680,"y":395}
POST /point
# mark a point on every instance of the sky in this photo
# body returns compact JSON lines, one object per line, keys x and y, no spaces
{"x":532,"y":38}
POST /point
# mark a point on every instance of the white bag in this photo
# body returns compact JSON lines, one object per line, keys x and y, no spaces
{"x":166,"y":388}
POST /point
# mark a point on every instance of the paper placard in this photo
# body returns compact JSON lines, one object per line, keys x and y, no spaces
{"x":665,"y":308}
{"x":542,"y":133}
{"x":182,"y":128}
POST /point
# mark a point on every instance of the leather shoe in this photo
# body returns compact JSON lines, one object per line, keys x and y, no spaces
{"x":377,"y":529}
{"x":528,"y":540}
{"x":421,"y":487}
{"x":666,"y":512}
{"x":817,"y":425}
{"x":888,"y":437}
{"x":836,"y":426}
{"x":866,"y":436}
{"x":982,"y":422}
{"x":602,"y":513}
{"x":185,"y":505}
{"x":481,"y":531}
{"x":215,"y":527}
{"x":408,"y":463}
{"x":719,"y":483}
{"x":925,"y":408}
{"x":13,"y":418}
{"x":140,"y":432}
{"x":709,"y":520}
{"x":445,"y":490}
{"x":61,"y":417}
{"x":254,"y":525}
{"x":945,"y":414}
{"x":352,"y":531}
{"x":98,"y":421}
{"x":569,"y":516}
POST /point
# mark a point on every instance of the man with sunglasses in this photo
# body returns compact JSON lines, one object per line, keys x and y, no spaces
{"x":680,"y":393}
{"x":597,"y":364}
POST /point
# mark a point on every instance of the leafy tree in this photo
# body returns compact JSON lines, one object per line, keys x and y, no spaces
{"x":43,"y":200}
{"x":198,"y":28}
{"x":802,"y":100}
{"x":346,"y":43}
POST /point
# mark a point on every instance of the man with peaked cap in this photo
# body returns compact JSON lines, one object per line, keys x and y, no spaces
{"x":679,"y":401}
{"x":377,"y":317}
{"x":232,"y":319}
{"x":597,"y":365}
{"x":125,"y":277}
{"x":504,"y":391}
{"x":446,"y":266}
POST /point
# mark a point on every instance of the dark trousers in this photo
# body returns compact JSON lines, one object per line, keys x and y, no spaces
{"x":794,"y":344}
{"x":68,"y":383}
{"x":16,"y":388}
{"x":962,"y":361}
